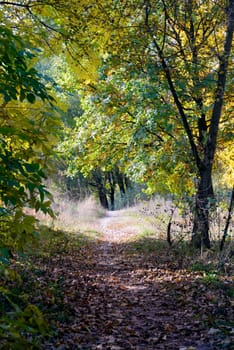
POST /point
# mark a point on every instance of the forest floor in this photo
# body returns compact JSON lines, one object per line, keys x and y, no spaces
{"x":116,"y":293}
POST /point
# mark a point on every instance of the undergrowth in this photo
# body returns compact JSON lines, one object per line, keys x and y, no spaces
{"x":183,"y":255}
{"x":31,"y":297}
{"x":23,"y":315}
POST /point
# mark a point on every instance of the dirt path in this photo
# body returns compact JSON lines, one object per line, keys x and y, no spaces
{"x":117,"y":227}
{"x":110,"y":300}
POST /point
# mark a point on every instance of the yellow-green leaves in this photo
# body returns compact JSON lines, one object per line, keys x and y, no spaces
{"x":18,"y":81}
{"x":28,"y":129}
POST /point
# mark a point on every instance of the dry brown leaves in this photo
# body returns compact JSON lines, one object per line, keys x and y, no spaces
{"x":99,"y":297}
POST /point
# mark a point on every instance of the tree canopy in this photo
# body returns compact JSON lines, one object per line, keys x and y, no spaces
{"x":163,"y":92}
{"x":155,"y":84}
{"x":25,"y":146}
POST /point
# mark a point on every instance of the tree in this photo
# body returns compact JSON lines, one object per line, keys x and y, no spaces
{"x":207,"y":133}
{"x":25,"y":144}
{"x":106,"y":182}
{"x":180,"y":52}
{"x":186,"y":46}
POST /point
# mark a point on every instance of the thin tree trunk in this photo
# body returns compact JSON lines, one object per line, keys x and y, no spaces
{"x":103,"y":198}
{"x":112,"y":198}
{"x":120,"y":180}
{"x":169,"y":240}
{"x":112,"y":182}
{"x":225,"y":232}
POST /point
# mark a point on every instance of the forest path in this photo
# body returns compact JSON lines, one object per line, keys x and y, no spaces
{"x":119,"y":226}
{"x":115,"y":298}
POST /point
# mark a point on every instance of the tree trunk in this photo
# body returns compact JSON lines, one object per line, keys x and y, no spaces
{"x":205,"y":190}
{"x":200,"y":235}
{"x":120,"y":180}
{"x":112,"y":198}
{"x":102,"y":197}
{"x":112,"y":183}
{"x":203,"y":201}
{"x":230,"y":209}
{"x":127,"y":182}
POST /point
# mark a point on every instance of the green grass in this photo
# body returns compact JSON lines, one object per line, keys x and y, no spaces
{"x":200,"y":266}
{"x":53,"y":241}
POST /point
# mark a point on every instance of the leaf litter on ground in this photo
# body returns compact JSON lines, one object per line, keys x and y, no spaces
{"x":106,"y":294}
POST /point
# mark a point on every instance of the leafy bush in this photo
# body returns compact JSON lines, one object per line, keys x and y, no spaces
{"x":20,"y":321}
{"x":25,"y":147}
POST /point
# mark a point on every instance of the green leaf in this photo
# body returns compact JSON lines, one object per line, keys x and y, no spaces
{"x":31,"y":186}
{"x":4,"y":211}
{"x":31,"y":167}
{"x":31,"y":98}
{"x":5,"y":255}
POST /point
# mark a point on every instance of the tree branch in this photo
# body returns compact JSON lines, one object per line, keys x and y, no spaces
{"x":28,"y":8}
{"x":175,"y":96}
{"x":10,"y":3}
{"x":221,"y":82}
